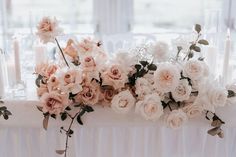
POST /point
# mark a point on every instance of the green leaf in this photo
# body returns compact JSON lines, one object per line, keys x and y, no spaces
{"x":144,"y":63}
{"x":231,"y":94}
{"x":3,"y":108}
{"x":70,"y":132}
{"x":203,"y":42}
{"x":190,"y":55}
{"x":53,"y":116}
{"x":137,"y":66}
{"x":45,"y":122}
{"x":197,"y":49}
{"x":5,"y":116}
{"x":63,"y":116}
{"x":7,"y":112}
{"x":60,"y":152}
{"x":79,"y":120}
{"x":214,"y":131}
{"x":198,"y":28}
{"x":68,"y":108}
{"x":152,"y":67}
{"x":88,"y":108}
{"x":201,"y":58}
{"x":38,"y":80}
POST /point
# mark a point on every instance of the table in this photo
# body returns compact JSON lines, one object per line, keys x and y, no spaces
{"x":108,"y":134}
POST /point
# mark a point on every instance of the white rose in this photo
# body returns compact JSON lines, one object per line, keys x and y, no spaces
{"x":123,"y":102}
{"x":231,"y":100}
{"x":217,"y":96}
{"x":48,"y":29}
{"x":193,"y":110}
{"x":194,"y":69}
{"x":176,"y":118}
{"x":142,"y":87}
{"x":166,"y":77}
{"x":159,"y":51}
{"x":150,"y":108}
{"x":182,"y":91}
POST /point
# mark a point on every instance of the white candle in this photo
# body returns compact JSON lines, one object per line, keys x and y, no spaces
{"x":2,"y":85}
{"x":11,"y":74}
{"x":17,"y":60}
{"x":226,"y":57}
{"x":40,"y":54}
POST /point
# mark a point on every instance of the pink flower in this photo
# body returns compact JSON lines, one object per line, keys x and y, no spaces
{"x":89,"y":94}
{"x":46,"y":70}
{"x":115,"y":76}
{"x":71,"y":50}
{"x":107,"y":94}
{"x":54,"y":103}
{"x":86,"y":46}
{"x":53,"y":83}
{"x":88,"y":64}
{"x":42,"y":89}
{"x":48,"y":29}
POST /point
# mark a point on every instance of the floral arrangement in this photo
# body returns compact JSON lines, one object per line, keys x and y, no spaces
{"x":157,"y":82}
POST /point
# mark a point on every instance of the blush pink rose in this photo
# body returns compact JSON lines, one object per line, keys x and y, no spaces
{"x":115,"y":76}
{"x":54,"y":103}
{"x":88,"y":64}
{"x":89,"y":95}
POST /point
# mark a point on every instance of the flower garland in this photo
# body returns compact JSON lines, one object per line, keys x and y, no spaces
{"x":158,"y":85}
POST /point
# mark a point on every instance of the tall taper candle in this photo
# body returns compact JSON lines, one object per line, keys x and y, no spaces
{"x":16,"y":49}
{"x":2,"y":85}
{"x":226,"y":57}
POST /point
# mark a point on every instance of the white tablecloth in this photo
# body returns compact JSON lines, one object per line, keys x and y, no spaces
{"x":108,"y":134}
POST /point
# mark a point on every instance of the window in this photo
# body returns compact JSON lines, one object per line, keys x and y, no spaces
{"x":152,"y":16}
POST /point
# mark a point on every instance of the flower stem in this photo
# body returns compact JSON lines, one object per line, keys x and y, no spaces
{"x":62,"y":52}
{"x":67,"y":132}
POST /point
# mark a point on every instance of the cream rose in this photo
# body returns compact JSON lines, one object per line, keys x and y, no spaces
{"x":142,"y":88}
{"x":54,"y":103}
{"x":48,"y":29}
{"x":71,"y":81}
{"x":150,"y":108}
{"x":193,"y":110}
{"x":217,"y":96}
{"x":194,"y":69}
{"x":176,"y":118}
{"x":88,"y":64}
{"x":115,"y":76}
{"x":166,"y":77}
{"x":182,"y":91}
{"x":123,"y":102}
{"x":159,"y":51}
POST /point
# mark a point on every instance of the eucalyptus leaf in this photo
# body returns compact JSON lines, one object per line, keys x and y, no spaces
{"x":198,"y":28}
{"x":60,"y":152}
{"x":214,"y":131}
{"x":79,"y":120}
{"x":45,"y":122}
{"x":152,"y":67}
{"x":197,"y":49}
{"x":63,"y":116}
{"x":203,"y":42}
{"x":231,"y":94}
{"x":144,"y":63}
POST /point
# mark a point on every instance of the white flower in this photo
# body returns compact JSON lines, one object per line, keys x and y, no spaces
{"x":176,"y":118}
{"x":159,"y":51}
{"x":210,"y":95}
{"x":194,"y":69}
{"x":182,"y":91}
{"x":231,"y":100}
{"x":125,"y":58}
{"x":142,"y":87}
{"x":123,"y":102}
{"x":150,"y":108}
{"x":193,"y":110}
{"x":217,"y":96}
{"x":48,"y":29}
{"x":166,"y":77}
